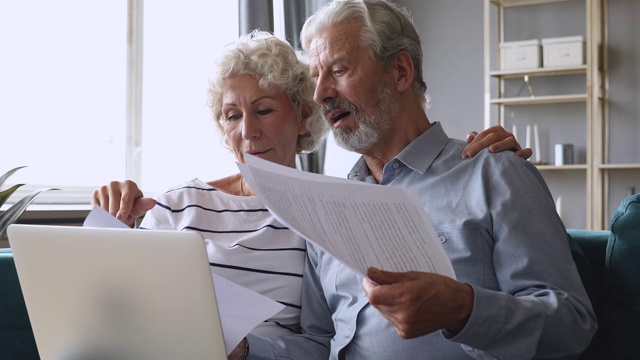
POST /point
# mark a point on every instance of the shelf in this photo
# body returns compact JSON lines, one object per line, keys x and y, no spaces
{"x":508,"y":3}
{"x":531,"y":100}
{"x":619,"y":166}
{"x":552,"y":71}
{"x":574,"y":85}
{"x":562,"y":167}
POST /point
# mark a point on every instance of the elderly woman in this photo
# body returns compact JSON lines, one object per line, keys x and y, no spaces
{"x":262,"y":102}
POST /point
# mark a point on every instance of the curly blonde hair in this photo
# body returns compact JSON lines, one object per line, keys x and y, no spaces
{"x":277,"y":67}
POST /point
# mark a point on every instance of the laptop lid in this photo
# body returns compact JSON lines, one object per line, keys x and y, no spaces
{"x":99,"y":293}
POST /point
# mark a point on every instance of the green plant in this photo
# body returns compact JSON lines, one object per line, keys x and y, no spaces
{"x":13,"y":213}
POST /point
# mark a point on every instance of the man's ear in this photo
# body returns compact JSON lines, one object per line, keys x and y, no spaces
{"x":404,"y":72}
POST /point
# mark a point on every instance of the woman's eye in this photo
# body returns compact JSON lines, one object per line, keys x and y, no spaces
{"x":265,"y":112}
{"x":233,"y":117}
{"x":338,"y":71}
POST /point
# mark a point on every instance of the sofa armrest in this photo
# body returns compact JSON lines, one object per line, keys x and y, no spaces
{"x":588,"y":248}
{"x":16,"y":336}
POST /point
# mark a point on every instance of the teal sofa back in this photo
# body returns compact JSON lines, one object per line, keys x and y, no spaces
{"x":622,"y":280}
{"x":612,"y":280}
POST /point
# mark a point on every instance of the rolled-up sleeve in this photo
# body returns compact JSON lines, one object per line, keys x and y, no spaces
{"x":541,"y":309}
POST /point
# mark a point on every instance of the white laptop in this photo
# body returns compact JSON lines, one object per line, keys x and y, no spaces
{"x":116,"y":294}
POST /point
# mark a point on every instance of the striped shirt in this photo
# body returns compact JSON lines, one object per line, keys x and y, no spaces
{"x":244,"y":242}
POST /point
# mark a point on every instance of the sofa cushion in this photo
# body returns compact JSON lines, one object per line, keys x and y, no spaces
{"x":623,"y":281}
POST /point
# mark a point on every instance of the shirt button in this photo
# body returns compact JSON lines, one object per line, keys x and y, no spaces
{"x":396,"y":165}
{"x":442,"y":239}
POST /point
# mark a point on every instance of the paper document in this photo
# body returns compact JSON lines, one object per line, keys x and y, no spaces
{"x":360,"y":224}
{"x":100,"y":218}
{"x":241,"y":309}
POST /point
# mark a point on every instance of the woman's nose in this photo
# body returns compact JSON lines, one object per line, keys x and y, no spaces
{"x":250,"y":127}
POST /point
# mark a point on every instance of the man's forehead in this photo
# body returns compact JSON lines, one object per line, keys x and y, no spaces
{"x":333,"y":41}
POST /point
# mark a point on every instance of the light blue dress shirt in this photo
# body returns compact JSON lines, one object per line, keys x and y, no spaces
{"x":497,"y":222}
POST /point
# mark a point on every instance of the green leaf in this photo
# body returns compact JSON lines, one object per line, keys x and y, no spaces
{"x":13,"y":213}
{"x":5,"y":194}
{"x":4,"y":177}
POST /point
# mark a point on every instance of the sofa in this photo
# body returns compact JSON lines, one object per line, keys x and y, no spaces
{"x":608,"y":262}
{"x":609,"y":266}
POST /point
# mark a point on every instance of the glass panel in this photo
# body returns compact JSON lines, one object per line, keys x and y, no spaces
{"x":181,"y":41}
{"x":62,"y":90}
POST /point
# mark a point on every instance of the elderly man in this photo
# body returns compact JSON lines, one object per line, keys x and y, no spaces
{"x":517,"y":295}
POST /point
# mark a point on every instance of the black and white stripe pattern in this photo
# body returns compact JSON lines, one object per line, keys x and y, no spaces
{"x":245,"y":244}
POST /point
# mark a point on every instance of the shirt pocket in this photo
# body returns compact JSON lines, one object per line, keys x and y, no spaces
{"x":471,"y":254}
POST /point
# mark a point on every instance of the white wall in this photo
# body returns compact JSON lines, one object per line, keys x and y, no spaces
{"x":452,"y":39}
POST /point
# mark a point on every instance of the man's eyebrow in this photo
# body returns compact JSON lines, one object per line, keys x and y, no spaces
{"x":313,"y":69}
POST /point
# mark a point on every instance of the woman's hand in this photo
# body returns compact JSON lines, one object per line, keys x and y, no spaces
{"x":124,"y":200}
{"x":497,"y":139}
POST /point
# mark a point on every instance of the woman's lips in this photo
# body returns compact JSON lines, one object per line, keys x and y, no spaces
{"x":257,"y":153}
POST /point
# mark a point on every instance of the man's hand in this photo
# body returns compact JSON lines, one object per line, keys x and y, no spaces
{"x":238,"y":352}
{"x":497,"y":139}
{"x":419,"y":303}
{"x":124,"y":200}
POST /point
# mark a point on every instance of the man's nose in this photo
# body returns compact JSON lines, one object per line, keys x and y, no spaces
{"x":325,"y":89}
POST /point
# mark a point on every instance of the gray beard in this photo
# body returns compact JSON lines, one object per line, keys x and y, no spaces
{"x":369,"y":129}
{"x":360,"y":138}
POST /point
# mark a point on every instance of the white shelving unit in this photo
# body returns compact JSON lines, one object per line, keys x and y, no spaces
{"x":617,"y":165}
{"x":498,"y":102}
{"x":608,"y":95}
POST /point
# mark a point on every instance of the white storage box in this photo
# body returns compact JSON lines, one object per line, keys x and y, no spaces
{"x":563,"y":51}
{"x":520,"y":54}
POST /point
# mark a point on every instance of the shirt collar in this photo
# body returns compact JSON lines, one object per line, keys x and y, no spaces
{"x":418,"y":155}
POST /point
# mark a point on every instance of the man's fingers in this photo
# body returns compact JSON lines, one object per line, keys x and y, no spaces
{"x":382,"y":277}
{"x":368,"y":286}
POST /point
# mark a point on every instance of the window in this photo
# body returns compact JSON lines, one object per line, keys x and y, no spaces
{"x":180,"y":140}
{"x":63,"y":93}
{"x":62,"y":90}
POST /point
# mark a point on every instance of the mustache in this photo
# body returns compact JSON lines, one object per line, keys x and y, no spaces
{"x":339,"y":104}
